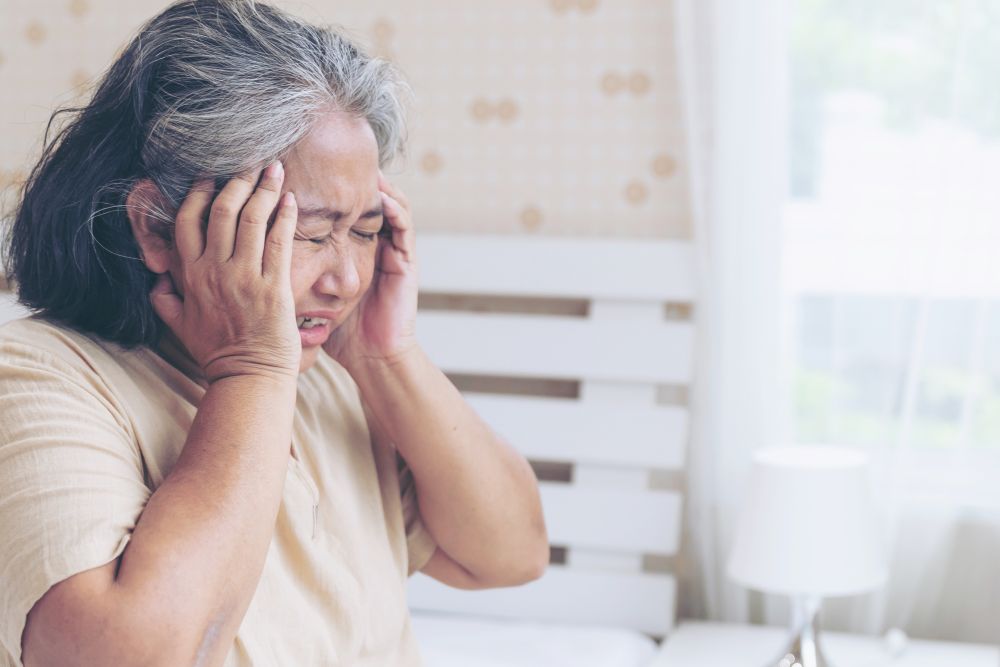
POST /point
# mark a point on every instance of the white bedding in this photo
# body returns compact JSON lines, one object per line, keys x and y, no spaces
{"x":451,"y":641}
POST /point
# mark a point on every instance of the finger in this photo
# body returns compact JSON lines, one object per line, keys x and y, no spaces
{"x":188,"y":234}
{"x":403,"y":236}
{"x":277,"y":261}
{"x":225,"y":212}
{"x":166,"y":302}
{"x":385,"y":186}
{"x":252,"y":227}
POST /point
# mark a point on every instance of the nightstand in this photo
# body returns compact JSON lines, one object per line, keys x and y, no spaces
{"x":720,"y":645}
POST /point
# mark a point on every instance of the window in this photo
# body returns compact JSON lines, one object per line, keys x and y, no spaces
{"x":891,"y":249}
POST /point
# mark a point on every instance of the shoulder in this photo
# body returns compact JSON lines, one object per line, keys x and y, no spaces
{"x":59,"y":385}
{"x":34,"y":349}
{"x":40,"y":339}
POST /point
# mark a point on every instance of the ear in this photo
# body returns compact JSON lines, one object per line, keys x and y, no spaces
{"x":150,"y":232}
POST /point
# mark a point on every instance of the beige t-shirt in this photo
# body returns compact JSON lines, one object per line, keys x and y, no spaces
{"x":89,"y":430}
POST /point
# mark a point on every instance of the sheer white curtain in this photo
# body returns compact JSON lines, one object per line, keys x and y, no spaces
{"x":732,"y":79}
{"x":845,"y":159}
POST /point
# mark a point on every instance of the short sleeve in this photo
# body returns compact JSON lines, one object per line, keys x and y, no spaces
{"x":71,"y":479}
{"x":420,"y":544}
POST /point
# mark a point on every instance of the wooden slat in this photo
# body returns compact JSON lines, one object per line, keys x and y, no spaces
{"x":611,"y":477}
{"x":581,"y":559}
{"x":557,"y":347}
{"x":597,"y":393}
{"x":639,"y":601}
{"x":646,"y":269}
{"x":611,"y":519}
{"x":556,"y":429}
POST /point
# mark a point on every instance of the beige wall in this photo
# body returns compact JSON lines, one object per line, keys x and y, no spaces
{"x":542,"y":116}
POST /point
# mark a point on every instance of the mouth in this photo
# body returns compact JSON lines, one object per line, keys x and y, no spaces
{"x":311,"y":322}
{"x":316,"y":326}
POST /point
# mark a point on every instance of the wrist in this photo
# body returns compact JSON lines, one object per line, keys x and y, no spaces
{"x":234,"y":367}
{"x":403,"y":363}
{"x":258,"y":380}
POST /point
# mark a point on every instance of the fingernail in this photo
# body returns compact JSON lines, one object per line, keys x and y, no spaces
{"x":288,"y":199}
{"x":274,"y":170}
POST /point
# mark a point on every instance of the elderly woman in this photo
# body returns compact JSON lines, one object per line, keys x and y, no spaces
{"x":220,"y":441}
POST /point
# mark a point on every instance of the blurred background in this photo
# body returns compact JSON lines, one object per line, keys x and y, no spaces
{"x":834,"y":162}
{"x":517,"y":111}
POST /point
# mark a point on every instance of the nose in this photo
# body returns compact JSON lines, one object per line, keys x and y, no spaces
{"x":340,"y":277}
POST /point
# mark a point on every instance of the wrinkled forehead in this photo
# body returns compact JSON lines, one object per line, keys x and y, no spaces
{"x":336,"y":163}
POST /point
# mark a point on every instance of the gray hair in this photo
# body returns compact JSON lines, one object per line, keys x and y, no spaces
{"x":207,"y":88}
{"x":241,"y":82}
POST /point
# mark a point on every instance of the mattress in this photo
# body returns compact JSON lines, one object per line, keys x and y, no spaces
{"x":453,"y":641}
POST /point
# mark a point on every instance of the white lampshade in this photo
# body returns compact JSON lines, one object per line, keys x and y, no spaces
{"x":809,"y":525}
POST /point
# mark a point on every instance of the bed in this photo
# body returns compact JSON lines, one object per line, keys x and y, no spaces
{"x":460,"y":641}
{"x":579,"y":352}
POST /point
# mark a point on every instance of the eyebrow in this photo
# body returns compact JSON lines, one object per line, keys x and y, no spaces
{"x":335,"y":215}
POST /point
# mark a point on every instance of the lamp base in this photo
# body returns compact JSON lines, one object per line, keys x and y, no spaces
{"x":799,"y":656}
{"x":803,"y":649}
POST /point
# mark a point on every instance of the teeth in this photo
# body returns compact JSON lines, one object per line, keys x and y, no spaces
{"x":309,"y":322}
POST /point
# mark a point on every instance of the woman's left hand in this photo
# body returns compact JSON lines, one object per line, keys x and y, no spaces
{"x":382,"y":327}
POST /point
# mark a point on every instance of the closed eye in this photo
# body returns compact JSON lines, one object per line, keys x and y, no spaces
{"x":317,"y":240}
{"x":371,"y":236}
{"x":320,"y":240}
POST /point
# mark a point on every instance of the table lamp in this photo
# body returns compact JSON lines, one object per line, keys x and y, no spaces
{"x":808,"y":529}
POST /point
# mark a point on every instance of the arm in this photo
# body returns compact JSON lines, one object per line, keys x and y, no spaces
{"x":192,"y":565}
{"x":178,"y":593}
{"x":477,"y":495}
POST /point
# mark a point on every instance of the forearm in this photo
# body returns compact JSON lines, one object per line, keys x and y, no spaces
{"x":195,"y":557}
{"x":478,"y":496}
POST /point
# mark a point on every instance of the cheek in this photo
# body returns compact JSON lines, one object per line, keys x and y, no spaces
{"x":302,"y":272}
{"x":366,"y":266}
{"x":308,"y":267}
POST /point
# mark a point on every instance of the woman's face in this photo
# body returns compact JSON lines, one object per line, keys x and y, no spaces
{"x":333,"y":172}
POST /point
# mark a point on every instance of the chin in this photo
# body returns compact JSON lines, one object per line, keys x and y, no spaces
{"x":309,"y":356}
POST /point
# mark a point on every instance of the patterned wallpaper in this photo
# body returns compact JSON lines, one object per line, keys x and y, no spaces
{"x":529,"y":116}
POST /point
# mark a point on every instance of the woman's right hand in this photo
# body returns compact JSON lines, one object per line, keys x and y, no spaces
{"x":233,"y":309}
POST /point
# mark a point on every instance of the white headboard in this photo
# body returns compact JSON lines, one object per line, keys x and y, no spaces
{"x":623,"y":336}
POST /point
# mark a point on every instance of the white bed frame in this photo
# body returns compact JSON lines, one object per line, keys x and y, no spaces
{"x":631,"y":348}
